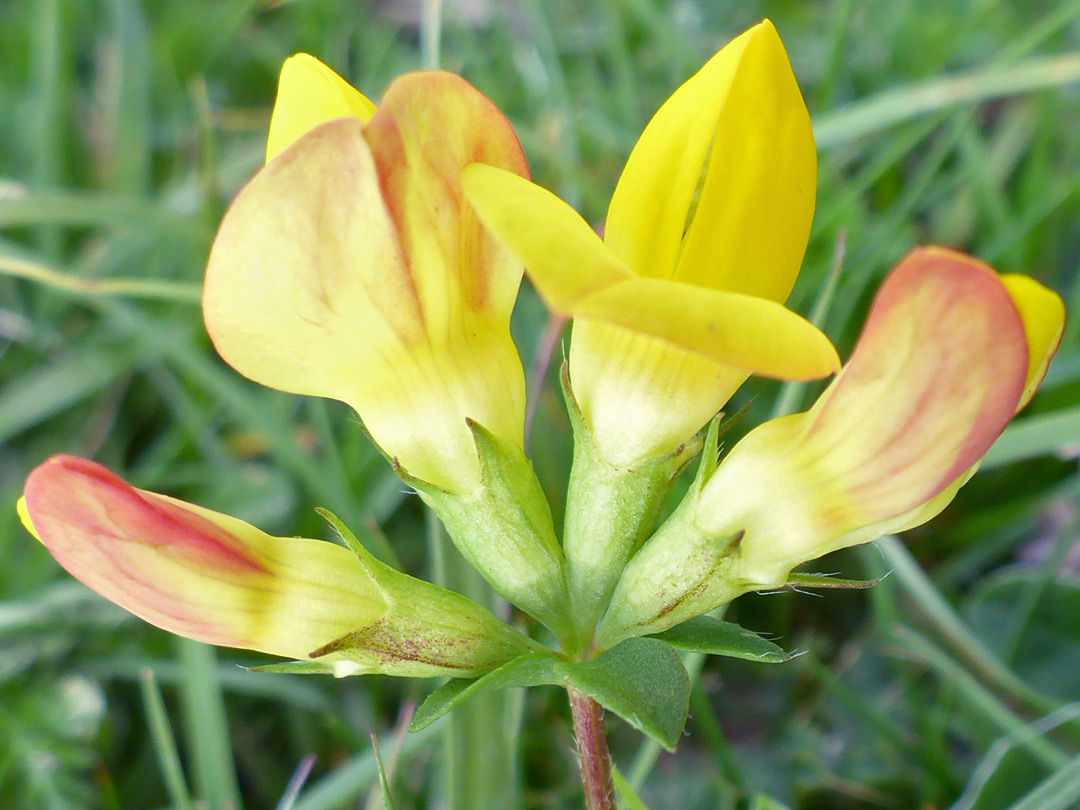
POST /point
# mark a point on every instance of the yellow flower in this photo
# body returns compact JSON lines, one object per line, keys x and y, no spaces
{"x":213,"y":578}
{"x":352,"y":267}
{"x":950,"y":351}
{"x":682,"y":299}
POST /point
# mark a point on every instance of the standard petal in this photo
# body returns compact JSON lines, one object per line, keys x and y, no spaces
{"x":935,"y":377}
{"x":306,"y":274}
{"x":564,"y":257}
{"x":752,"y":222}
{"x":194,"y":572}
{"x":310,"y":93}
{"x":753,"y":334}
{"x":1043,"y":313}
{"x":429,"y":127}
{"x":311,"y":288}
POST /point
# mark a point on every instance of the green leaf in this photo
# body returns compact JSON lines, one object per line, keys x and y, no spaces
{"x":705,"y":634}
{"x":642,"y":680}
{"x":828,"y":581}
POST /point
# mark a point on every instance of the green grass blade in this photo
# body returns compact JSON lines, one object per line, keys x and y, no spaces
{"x":1059,"y":792}
{"x":384,"y":780}
{"x":207,"y":726}
{"x":1032,"y":436}
{"x":904,"y":103}
{"x":626,"y":794}
{"x":977,"y":696}
{"x":164,"y":742}
{"x":341,"y":789}
{"x":908,"y":574}
{"x":155,"y":288}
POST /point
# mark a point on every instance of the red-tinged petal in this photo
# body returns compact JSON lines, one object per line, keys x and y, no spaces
{"x":213,"y":578}
{"x":351,"y":267}
{"x":194,"y":572}
{"x":429,"y":127}
{"x":935,"y":377}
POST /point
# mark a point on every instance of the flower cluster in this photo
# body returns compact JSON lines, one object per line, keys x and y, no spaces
{"x":376,"y":258}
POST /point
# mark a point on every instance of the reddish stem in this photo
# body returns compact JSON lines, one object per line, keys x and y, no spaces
{"x":593,"y":756}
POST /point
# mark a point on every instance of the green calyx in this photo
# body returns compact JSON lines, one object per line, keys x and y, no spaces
{"x":425,"y":630}
{"x":504,"y":529}
{"x":610,"y":512}
{"x":680,"y":572}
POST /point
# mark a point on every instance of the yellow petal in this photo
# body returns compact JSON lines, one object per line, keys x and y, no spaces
{"x":652,"y":361}
{"x":934,"y":379}
{"x":641,"y":396}
{"x":752,"y":223}
{"x":1043,"y":313}
{"x":564,"y":257}
{"x":753,"y":219}
{"x":24,"y":517}
{"x":647,"y":216}
{"x":353,"y":268}
{"x":305,"y":275}
{"x":752,"y":334}
{"x":309,"y":94}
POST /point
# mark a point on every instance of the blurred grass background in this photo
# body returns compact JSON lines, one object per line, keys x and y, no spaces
{"x":126,"y":126}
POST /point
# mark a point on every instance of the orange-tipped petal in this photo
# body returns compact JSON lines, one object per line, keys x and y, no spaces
{"x":429,"y":127}
{"x":1043,"y":314}
{"x":309,"y":94}
{"x":353,"y":268}
{"x":213,"y":578}
{"x":194,"y":572}
{"x":935,"y":377}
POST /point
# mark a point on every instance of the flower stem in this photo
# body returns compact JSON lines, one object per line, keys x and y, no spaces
{"x":593,"y":753}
